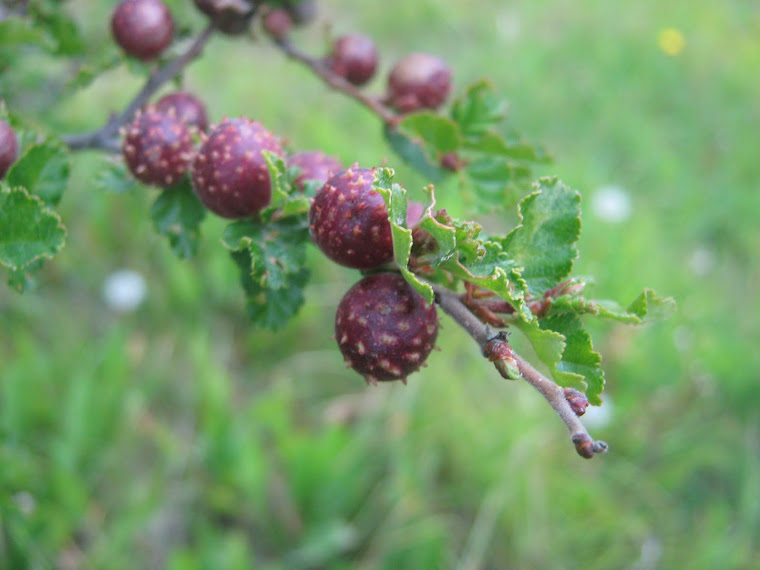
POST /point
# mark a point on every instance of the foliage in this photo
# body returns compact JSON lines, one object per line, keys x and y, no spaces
{"x":242,"y":457}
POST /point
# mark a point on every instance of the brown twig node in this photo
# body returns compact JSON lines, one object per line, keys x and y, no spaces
{"x":491,"y":345}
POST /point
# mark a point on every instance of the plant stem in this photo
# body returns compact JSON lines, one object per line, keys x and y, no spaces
{"x":106,"y":138}
{"x":388,"y":116}
{"x":553,"y":393}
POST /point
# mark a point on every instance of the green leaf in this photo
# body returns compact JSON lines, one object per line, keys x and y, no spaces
{"x":454,"y":250}
{"x":15,"y":31}
{"x":544,"y":244}
{"x":51,"y":17}
{"x":177,"y":214}
{"x":278,"y":175}
{"x":414,"y":155}
{"x":491,"y":179}
{"x":647,"y":307}
{"x":434,"y":133}
{"x":22,"y":280}
{"x":43,"y":170}
{"x":396,"y":203}
{"x":479,"y":109}
{"x":287,"y":200}
{"x":114,"y":177}
{"x":91,"y":70}
{"x":564,"y":346}
{"x":29,"y":230}
{"x":272,"y":258}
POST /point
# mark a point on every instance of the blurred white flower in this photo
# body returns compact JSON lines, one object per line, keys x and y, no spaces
{"x":598,"y":416}
{"x":611,"y":204}
{"x":124,"y":290}
{"x":25,"y":502}
{"x":702,"y":261}
{"x":508,"y":25}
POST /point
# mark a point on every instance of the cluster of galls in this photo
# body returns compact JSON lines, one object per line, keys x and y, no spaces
{"x":416,"y":81}
{"x":384,"y":328}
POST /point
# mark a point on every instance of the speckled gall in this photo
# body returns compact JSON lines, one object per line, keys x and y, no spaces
{"x":157,"y":147}
{"x":349,"y":221}
{"x":229,"y":173}
{"x":384,"y":328}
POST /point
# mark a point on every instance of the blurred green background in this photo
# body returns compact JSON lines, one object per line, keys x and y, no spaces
{"x":176,"y":436}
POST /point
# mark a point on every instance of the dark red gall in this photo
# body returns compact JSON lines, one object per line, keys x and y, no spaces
{"x":229,"y":173}
{"x":303,"y":12}
{"x":277,"y":23}
{"x":417,"y":81}
{"x":187,"y":108}
{"x":157,"y":147}
{"x":353,"y":57}
{"x":349,"y":220}
{"x":143,"y":28}
{"x":8,"y":148}
{"x":231,"y":17}
{"x":314,"y":166}
{"x":384,"y":328}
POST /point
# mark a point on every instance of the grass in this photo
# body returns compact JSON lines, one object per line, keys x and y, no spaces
{"x":179,"y":437}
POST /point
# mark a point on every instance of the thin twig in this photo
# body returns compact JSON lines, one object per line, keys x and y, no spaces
{"x":553,"y":393}
{"x":337,"y":82}
{"x":106,"y":138}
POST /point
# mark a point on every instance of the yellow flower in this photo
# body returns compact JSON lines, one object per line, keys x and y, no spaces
{"x":671,"y":41}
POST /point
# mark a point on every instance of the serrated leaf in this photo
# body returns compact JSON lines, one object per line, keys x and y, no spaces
{"x":434,"y":133}
{"x":479,"y":109}
{"x":15,"y":31}
{"x":29,"y":230}
{"x":51,"y":17}
{"x":491,"y":179}
{"x":278,"y":175}
{"x":272,"y":258}
{"x":286,"y":200}
{"x":396,"y":202}
{"x":413,"y":155}
{"x":270,"y":308}
{"x":177,"y":214}
{"x":114,"y":177}
{"x":43,"y":170}
{"x":22,"y":280}
{"x":564,"y":346}
{"x":458,"y":251}
{"x":91,"y":70}
{"x":647,"y":307}
{"x":544,"y":244}
{"x":491,"y":143}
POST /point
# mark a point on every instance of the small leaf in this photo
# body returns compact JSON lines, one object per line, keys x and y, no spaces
{"x":272,"y":259}
{"x":22,"y":280}
{"x":15,"y":31}
{"x":59,"y":26}
{"x":434,"y":133}
{"x":414,"y":155}
{"x":544,"y":244}
{"x":43,"y":170}
{"x":396,"y":202}
{"x":29,"y":230}
{"x":114,"y":177}
{"x":177,"y":214}
{"x":491,"y":179}
{"x":91,"y":70}
{"x":454,"y":249}
{"x":649,"y":306}
{"x":479,"y":109}
{"x":564,"y":346}
{"x":278,"y":175}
